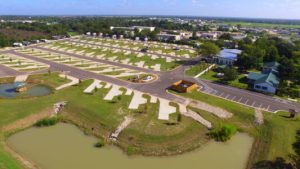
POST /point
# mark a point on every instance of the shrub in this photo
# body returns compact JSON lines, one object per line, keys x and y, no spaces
{"x":230,"y":74}
{"x":224,"y":133}
{"x":100,"y":143}
{"x":179,"y":118}
{"x":47,"y":122}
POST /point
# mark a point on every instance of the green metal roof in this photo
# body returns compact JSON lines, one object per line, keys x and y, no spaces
{"x":270,"y":79}
{"x":255,"y":76}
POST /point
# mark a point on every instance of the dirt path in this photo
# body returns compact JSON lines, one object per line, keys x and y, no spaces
{"x":259,"y":118}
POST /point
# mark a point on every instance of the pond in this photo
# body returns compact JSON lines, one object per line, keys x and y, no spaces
{"x":9,"y":90}
{"x":65,"y":146}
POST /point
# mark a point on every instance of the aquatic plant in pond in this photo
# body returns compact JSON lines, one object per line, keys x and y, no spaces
{"x":100,"y":143}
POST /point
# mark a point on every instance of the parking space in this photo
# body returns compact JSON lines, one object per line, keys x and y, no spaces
{"x":153,"y":47}
{"x":21,"y":64}
{"x":242,"y":100}
{"x":134,"y":58}
{"x":87,"y":65}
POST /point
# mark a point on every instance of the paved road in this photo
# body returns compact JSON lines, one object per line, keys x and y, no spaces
{"x":6,"y":71}
{"x":131,"y":50}
{"x":158,"y":88}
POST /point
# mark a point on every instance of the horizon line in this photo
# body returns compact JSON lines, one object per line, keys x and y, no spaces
{"x":145,"y":15}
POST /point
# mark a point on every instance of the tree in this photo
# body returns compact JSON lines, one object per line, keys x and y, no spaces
{"x":286,"y":68}
{"x":209,"y":49}
{"x":194,"y":35}
{"x":271,"y":54}
{"x":252,"y":57}
{"x":230,"y":74}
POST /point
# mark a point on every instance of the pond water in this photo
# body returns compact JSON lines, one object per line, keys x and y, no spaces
{"x":64,"y":146}
{"x":9,"y":90}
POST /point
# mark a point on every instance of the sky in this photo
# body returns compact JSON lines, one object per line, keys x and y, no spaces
{"x":286,"y":9}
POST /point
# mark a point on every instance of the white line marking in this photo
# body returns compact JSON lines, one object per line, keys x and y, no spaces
{"x":240,"y":99}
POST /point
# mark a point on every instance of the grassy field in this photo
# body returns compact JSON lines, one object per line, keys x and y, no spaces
{"x":240,"y":82}
{"x":195,"y":70}
{"x":273,"y":139}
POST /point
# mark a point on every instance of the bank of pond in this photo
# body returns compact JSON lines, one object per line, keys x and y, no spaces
{"x":64,"y":146}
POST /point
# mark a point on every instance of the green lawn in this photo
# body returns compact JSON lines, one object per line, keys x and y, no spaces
{"x":195,"y":70}
{"x":240,"y":82}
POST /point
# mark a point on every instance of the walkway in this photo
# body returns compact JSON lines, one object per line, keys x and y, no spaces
{"x":198,"y":118}
{"x":121,"y":127}
{"x":165,"y":109}
{"x":93,"y":86}
{"x":259,"y":118}
{"x":114,"y":91}
{"x":21,"y":78}
{"x":221,"y":113}
{"x":137,"y":100}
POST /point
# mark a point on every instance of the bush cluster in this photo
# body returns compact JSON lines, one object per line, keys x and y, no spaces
{"x":47,"y":122}
{"x":224,"y":133}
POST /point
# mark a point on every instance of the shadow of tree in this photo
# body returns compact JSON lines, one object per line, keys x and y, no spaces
{"x":279,"y":163}
{"x":296,"y":145}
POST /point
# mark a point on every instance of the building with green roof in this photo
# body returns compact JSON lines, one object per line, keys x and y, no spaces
{"x":267,"y":81}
